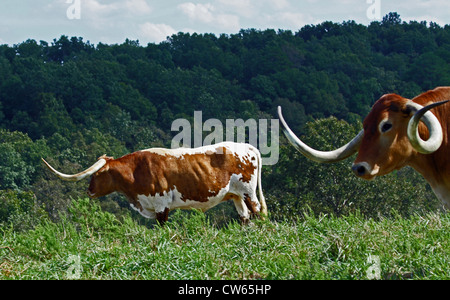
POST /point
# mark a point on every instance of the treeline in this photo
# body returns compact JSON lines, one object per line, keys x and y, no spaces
{"x":71,"y":101}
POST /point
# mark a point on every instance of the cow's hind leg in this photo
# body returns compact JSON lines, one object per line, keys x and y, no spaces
{"x":241,"y":208}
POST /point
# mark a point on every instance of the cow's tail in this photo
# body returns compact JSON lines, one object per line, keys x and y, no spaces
{"x":262,"y":200}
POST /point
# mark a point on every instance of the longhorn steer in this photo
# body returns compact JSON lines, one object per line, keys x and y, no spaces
{"x":158,"y":180}
{"x":394,"y":137}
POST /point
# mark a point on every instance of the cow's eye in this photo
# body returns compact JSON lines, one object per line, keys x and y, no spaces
{"x":386,"y":127}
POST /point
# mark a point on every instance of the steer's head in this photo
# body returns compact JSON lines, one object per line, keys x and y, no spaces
{"x":385,"y":145}
{"x":102,"y":181}
{"x":392,"y":133}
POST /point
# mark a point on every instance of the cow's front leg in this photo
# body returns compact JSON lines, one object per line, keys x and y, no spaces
{"x":163,"y":216}
{"x":162,"y":205}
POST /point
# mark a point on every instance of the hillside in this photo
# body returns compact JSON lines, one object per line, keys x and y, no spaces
{"x":92,"y":244}
{"x":70,"y":102}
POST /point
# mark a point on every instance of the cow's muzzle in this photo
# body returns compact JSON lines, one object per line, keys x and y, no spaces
{"x":364,"y":170}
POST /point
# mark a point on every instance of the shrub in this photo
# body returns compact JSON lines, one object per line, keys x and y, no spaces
{"x":20,"y":210}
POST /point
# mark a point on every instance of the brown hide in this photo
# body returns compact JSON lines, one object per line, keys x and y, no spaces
{"x":196,"y":176}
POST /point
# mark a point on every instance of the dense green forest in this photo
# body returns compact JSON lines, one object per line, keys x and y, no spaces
{"x":71,"y":101}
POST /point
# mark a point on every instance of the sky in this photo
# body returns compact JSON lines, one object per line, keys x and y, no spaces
{"x":151,"y":21}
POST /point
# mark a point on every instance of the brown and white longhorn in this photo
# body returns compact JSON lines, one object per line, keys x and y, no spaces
{"x":158,"y":180}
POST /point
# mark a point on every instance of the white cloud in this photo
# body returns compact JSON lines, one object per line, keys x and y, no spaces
{"x":155,"y":32}
{"x":278,"y":4}
{"x":287,"y":20}
{"x":95,"y":9}
{"x":294,"y":20}
{"x":418,"y":5}
{"x":207,"y":14}
{"x":228,"y":22}
{"x":138,"y":7}
{"x":112,"y":21}
{"x":243,"y":8}
{"x":198,"y":12}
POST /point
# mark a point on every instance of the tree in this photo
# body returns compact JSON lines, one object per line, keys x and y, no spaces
{"x":429,"y":71}
{"x":391,"y":18}
{"x":19,"y":160}
{"x":72,"y":101}
{"x":29,"y":48}
{"x":66,"y":49}
{"x":53,"y":117}
{"x":20,"y":210}
{"x":14,"y":171}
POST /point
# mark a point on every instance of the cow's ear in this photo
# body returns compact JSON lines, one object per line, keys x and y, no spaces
{"x":105,"y":157}
{"x":407,"y":110}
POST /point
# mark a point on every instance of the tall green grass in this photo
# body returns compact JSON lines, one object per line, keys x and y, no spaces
{"x":92,"y":244}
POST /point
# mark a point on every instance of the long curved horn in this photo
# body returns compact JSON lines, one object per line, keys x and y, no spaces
{"x":76,"y":177}
{"x":321,"y":156}
{"x":433,"y":124}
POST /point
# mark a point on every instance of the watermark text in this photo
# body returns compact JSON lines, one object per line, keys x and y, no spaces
{"x":74,"y":10}
{"x":374,"y":10}
{"x":374,"y":271}
{"x":235,"y":131}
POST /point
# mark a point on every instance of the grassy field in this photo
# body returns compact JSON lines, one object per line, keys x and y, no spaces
{"x":92,"y":244}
